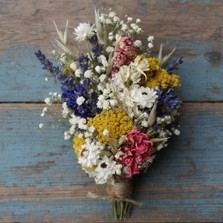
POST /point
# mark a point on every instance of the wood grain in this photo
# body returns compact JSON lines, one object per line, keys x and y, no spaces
{"x":30,"y":21}
{"x":26,"y":26}
{"x":40,"y":179}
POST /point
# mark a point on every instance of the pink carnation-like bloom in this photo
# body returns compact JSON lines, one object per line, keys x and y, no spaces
{"x":136,"y":150}
{"x":119,"y":58}
{"x":127,"y":45}
{"x":125,"y":53}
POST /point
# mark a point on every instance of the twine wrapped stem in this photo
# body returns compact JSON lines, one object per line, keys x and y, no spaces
{"x":120,"y":194}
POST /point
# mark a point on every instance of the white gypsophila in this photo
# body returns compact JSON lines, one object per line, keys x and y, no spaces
{"x":41,"y":125}
{"x":80,"y":100}
{"x":105,"y":169}
{"x":77,"y":72}
{"x":109,"y":49}
{"x":65,"y":110}
{"x":44,"y":111}
{"x":84,"y":31}
{"x":150,"y":38}
{"x":90,"y":154}
{"x":72,"y":130}
{"x":88,"y":73}
{"x":98,"y":69}
{"x":143,"y":96}
{"x":78,"y":122}
{"x":67,"y":135}
{"x":48,"y":101}
{"x":150,"y":45}
{"x":102,"y":78}
{"x":138,"y":43}
{"x":103,"y":60}
{"x":112,"y":14}
{"x":73,"y":66}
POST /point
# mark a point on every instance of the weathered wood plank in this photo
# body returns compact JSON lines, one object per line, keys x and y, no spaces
{"x":28,"y":21}
{"x":27,"y":25}
{"x":40,"y":180}
{"x":22,"y":79}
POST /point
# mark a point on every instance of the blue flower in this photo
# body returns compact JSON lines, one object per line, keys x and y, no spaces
{"x":167,"y":102}
{"x":173,"y":65}
{"x":88,"y":108}
{"x":53,"y":70}
{"x":83,"y":62}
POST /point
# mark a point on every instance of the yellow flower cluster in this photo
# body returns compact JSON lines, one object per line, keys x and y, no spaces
{"x":77,"y":144}
{"x":115,"y":121}
{"x":158,"y":77}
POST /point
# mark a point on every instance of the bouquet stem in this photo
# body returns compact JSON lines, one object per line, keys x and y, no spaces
{"x":121,"y":209}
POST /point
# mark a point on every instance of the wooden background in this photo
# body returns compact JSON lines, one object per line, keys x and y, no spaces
{"x":40,"y":180}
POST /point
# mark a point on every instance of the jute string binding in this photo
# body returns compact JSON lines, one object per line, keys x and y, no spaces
{"x":117,"y":191}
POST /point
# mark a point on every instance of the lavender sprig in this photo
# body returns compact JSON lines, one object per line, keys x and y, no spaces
{"x":173,"y":65}
{"x":53,"y":70}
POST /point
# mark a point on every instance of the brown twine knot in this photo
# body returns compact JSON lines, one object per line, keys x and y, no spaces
{"x":120,"y":191}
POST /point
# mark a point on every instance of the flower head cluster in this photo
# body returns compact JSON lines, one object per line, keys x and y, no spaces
{"x":120,"y":103}
{"x":136,"y":150}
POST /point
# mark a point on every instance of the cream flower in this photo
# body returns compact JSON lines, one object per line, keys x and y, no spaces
{"x":90,"y":154}
{"x":143,"y":96}
{"x":84,"y":31}
{"x":105,"y":169}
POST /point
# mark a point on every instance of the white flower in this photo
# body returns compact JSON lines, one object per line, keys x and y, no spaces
{"x":112,"y":14}
{"x":65,"y":110}
{"x":67,"y":135}
{"x":73,"y":66}
{"x":138,"y":43}
{"x":104,"y":170}
{"x":143,"y":96}
{"x":41,"y":125}
{"x":176,"y":132}
{"x":46,"y":79}
{"x":83,"y":31}
{"x":48,"y":101}
{"x":88,"y":74}
{"x":102,"y":78}
{"x":98,"y":69}
{"x":80,"y":100}
{"x":116,"y":19}
{"x":150,"y":45}
{"x":109,"y":49}
{"x":78,"y":72}
{"x":90,"y":154}
{"x":103,"y":60}
{"x":129,"y":19}
{"x":150,"y":38}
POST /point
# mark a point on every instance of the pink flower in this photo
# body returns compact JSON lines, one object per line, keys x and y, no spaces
{"x":127,"y":45}
{"x":119,"y":58}
{"x":136,"y":150}
{"x":125,"y":54}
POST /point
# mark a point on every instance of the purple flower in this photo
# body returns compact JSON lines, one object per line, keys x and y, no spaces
{"x":53,"y":70}
{"x":173,"y":65}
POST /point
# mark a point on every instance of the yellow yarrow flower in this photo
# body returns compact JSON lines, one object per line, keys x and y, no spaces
{"x":158,"y":77}
{"x":77,"y":145}
{"x":115,"y":121}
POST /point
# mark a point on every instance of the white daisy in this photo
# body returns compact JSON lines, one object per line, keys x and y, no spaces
{"x":105,"y":169}
{"x":143,"y":96}
{"x":84,"y":31}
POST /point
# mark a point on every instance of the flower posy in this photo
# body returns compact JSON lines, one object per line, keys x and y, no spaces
{"x":119,"y":100}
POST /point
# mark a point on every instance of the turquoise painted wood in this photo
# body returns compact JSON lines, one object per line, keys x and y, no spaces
{"x":40,"y":176}
{"x":40,"y":180}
